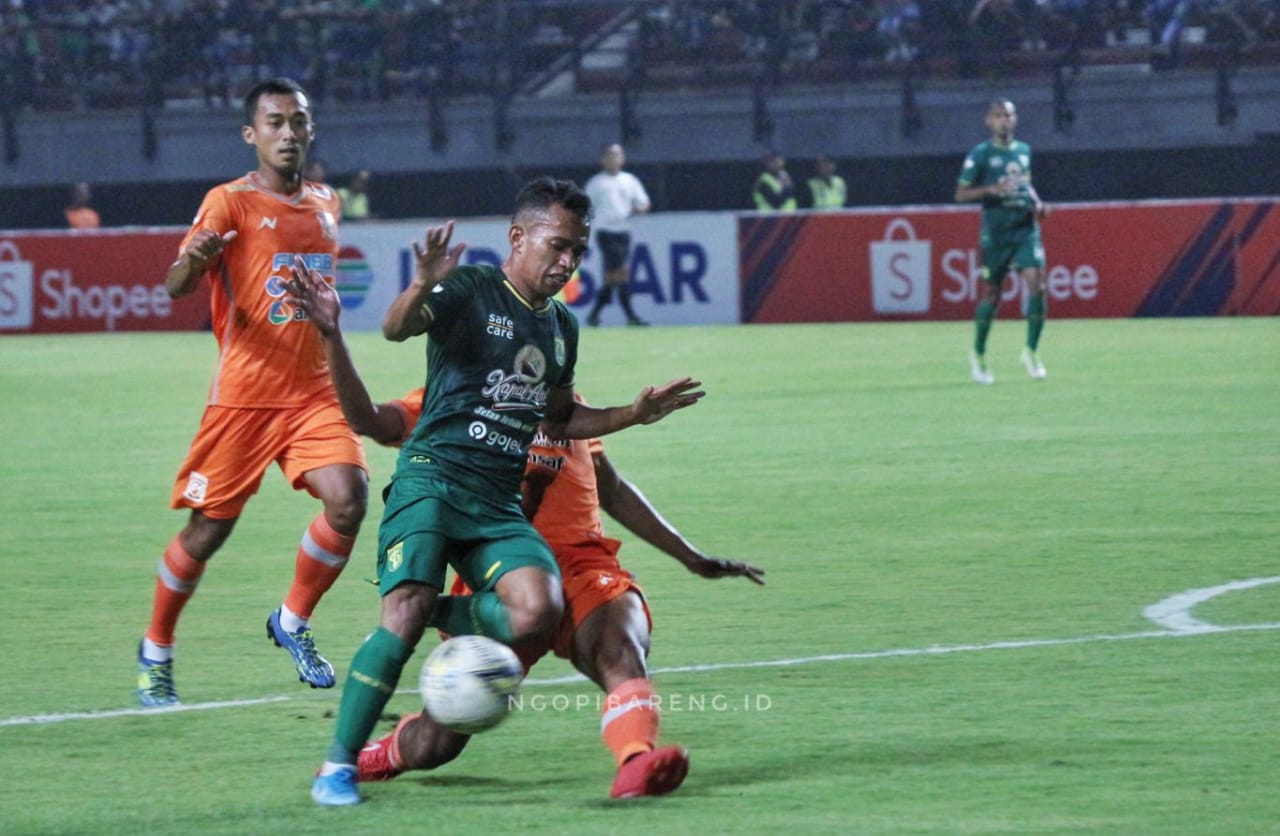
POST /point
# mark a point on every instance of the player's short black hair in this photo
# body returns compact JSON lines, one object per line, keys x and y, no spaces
{"x":269,"y":87}
{"x":542,"y":193}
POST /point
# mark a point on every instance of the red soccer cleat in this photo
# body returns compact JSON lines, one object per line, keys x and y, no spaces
{"x":651,"y":773}
{"x":374,"y":761}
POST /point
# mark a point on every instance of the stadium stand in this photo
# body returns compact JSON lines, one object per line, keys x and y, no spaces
{"x":62,"y":55}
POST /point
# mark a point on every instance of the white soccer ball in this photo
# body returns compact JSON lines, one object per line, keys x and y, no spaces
{"x":468,"y":682}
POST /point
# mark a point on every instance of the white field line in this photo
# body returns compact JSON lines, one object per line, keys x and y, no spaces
{"x":1173,"y":612}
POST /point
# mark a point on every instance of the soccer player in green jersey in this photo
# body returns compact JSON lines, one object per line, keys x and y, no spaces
{"x":501,"y":353}
{"x":998,"y":173}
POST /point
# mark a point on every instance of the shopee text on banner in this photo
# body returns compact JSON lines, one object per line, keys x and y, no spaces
{"x":1160,"y":258}
{"x":107,"y":280}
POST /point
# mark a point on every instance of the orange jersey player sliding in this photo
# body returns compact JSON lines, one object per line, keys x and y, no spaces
{"x":606,"y":627}
{"x":271,"y":399}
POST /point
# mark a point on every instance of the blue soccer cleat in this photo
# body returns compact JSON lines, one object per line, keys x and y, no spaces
{"x":313,"y":668}
{"x":337,"y":789}
{"x":155,"y":682}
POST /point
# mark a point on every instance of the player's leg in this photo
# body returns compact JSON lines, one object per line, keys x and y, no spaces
{"x":995,"y":267}
{"x":223,"y":468}
{"x":610,"y":647}
{"x":177,"y":577}
{"x":412,"y":559}
{"x":1030,"y":264}
{"x":326,"y":458}
{"x":371,"y":681}
{"x":517,"y":598}
{"x":417,"y":742}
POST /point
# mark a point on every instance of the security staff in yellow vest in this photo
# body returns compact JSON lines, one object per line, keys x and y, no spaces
{"x":827,"y":190}
{"x":774,"y":191}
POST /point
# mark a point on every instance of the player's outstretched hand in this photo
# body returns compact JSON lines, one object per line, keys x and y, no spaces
{"x":720,"y":567}
{"x":657,"y":402}
{"x":434,"y":257}
{"x":315,"y":297}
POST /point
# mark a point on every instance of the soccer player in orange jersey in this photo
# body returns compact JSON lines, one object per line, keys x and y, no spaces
{"x":271,"y":399}
{"x":606,"y":626}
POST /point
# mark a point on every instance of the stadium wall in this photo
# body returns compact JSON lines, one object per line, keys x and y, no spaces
{"x":1136,"y":134}
{"x":1164,"y":258}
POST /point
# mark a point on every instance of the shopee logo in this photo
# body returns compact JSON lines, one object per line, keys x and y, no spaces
{"x":62,"y":298}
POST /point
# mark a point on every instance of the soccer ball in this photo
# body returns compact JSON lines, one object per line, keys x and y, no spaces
{"x":467,"y":683}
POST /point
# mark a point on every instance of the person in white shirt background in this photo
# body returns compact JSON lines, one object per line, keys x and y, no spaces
{"x":615,"y":195}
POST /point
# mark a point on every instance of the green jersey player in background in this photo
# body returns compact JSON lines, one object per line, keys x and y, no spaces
{"x":998,"y":173}
{"x":500,"y":364}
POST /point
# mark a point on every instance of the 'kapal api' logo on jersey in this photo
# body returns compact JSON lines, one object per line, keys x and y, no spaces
{"x":353,"y":278}
{"x":522,"y":388}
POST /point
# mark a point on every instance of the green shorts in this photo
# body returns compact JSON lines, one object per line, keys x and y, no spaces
{"x":430,"y":525}
{"x":1003,"y":253}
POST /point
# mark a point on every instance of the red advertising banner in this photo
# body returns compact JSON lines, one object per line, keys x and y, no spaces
{"x":103,"y":280}
{"x":1175,"y":258}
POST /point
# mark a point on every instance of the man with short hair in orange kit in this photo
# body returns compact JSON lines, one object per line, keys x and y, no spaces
{"x":271,"y":399}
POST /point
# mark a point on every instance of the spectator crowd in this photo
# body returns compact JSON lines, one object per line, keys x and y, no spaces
{"x":66,"y":54}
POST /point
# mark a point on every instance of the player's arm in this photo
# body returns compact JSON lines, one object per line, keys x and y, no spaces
{"x":1038,"y":206}
{"x":968,"y":193}
{"x":566,"y":418}
{"x":623,"y":501}
{"x":409,"y":314}
{"x":317,"y":298}
{"x":199,"y":255}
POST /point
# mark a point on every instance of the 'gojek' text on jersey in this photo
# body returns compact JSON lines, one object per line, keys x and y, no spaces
{"x":990,"y":163}
{"x":492,"y":359}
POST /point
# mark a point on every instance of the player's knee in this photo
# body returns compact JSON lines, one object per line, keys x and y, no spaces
{"x":346,"y":510}
{"x":535,"y":607}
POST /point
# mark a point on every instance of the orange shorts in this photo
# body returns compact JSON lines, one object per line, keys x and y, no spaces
{"x":592,"y":577}
{"x":234,"y":447}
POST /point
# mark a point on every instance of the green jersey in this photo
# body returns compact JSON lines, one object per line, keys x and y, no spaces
{"x":491,"y":361}
{"x":988,"y":163}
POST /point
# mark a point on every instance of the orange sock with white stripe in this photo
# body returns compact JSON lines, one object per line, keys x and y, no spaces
{"x":176,"y":579}
{"x":321,"y":557}
{"x":629,"y":723}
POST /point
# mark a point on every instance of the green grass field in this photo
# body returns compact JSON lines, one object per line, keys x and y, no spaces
{"x":952,"y":639}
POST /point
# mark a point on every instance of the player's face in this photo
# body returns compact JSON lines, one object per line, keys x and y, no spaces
{"x":546,"y":247}
{"x":1002,"y":118}
{"x":282,"y":131}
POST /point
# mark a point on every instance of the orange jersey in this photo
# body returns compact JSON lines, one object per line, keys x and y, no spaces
{"x":559,"y":488}
{"x":268,"y":355}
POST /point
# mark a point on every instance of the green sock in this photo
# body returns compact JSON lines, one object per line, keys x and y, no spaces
{"x":986,"y":313}
{"x":375,"y":670}
{"x":480,"y":612}
{"x":1035,"y":320}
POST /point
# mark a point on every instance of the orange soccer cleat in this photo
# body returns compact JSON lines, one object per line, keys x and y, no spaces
{"x":374,"y":761}
{"x":657,"y":772}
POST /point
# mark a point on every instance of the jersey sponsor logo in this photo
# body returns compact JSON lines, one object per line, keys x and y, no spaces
{"x":555,"y":463}
{"x":501,"y":326}
{"x":531,"y":364}
{"x":328,"y":225}
{"x":197,"y":488}
{"x":269,"y":223}
{"x":479,"y":431}
{"x":560,"y":351}
{"x":279,"y":313}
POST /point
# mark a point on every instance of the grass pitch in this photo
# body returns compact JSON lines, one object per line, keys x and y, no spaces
{"x":952,"y":639}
